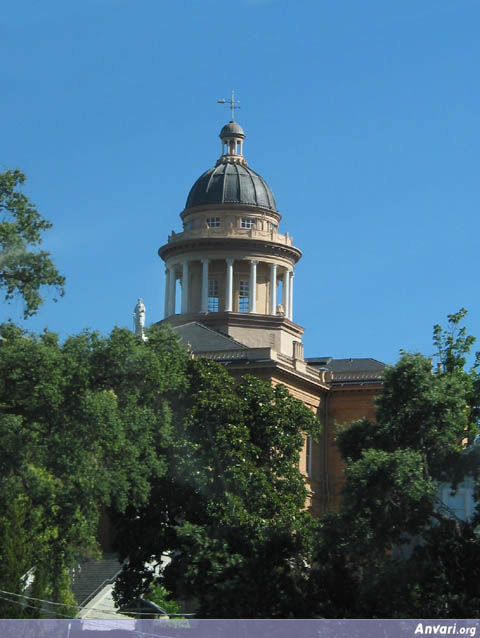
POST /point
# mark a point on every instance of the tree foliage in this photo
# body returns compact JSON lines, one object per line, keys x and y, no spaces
{"x":23,"y":271}
{"x":200,"y":473}
{"x":393,"y":549}
{"x":230,"y":510}
{"x":184,"y":459}
{"x":83,"y":426}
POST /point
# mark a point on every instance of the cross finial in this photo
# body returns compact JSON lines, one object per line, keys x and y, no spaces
{"x":234,"y":104}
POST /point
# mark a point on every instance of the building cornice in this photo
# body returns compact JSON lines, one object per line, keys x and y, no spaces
{"x":256,"y":361}
{"x":204,"y":244}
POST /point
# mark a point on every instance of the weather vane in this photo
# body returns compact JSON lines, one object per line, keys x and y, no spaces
{"x":234,"y":104}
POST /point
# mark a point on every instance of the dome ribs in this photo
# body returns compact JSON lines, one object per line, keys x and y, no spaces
{"x":255,"y":195}
{"x":209,"y":183}
{"x":231,"y":183}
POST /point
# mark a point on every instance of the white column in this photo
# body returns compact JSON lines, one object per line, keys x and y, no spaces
{"x":252,"y":292}
{"x":167,"y":292}
{"x":184,"y":287}
{"x":205,"y":263}
{"x":273,"y":288}
{"x":286,"y":293}
{"x":172,"y":291}
{"x":229,"y":286}
{"x":290,"y":297}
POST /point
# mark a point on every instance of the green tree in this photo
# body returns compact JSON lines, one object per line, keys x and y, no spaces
{"x":84,"y":425}
{"x":393,"y":550}
{"x":159,"y":595}
{"x":23,"y":271}
{"x":230,"y":510}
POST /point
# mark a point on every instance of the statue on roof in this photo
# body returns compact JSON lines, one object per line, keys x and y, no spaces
{"x":139,"y":319}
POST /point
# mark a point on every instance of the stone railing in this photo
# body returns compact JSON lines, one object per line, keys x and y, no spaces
{"x":233,"y":232}
{"x":357,"y":377}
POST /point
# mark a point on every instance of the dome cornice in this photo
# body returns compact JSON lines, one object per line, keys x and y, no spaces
{"x":204,"y":244}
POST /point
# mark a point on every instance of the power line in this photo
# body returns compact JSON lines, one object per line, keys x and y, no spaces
{"x":94,"y":622}
{"x":25,"y":604}
{"x":50,"y":602}
{"x":40,"y":600}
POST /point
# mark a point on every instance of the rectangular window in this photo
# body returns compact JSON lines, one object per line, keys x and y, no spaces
{"x":213,"y":222}
{"x":212,"y":295}
{"x":247,"y":222}
{"x":308,"y":455}
{"x":243,"y":297}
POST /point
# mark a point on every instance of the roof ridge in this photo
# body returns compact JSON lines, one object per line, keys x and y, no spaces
{"x":239,"y":183}
{"x":255,"y":196}
{"x":224,"y":173}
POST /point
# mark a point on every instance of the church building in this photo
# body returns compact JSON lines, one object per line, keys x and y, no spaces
{"x":236,"y":274}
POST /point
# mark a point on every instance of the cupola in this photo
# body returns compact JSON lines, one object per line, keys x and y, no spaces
{"x":231,"y":181}
{"x":232,"y":137}
{"x":231,"y":268}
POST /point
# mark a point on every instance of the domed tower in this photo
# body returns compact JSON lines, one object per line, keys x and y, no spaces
{"x":235,"y":271}
{"x":234,"y":266}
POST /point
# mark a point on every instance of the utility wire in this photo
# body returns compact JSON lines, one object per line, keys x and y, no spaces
{"x":24,"y":604}
{"x":40,"y":600}
{"x":94,"y":622}
{"x":50,"y":602}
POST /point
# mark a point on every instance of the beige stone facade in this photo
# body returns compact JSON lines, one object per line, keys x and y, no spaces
{"x":234,"y":273}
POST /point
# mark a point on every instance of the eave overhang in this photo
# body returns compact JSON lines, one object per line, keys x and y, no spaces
{"x":203,"y":245}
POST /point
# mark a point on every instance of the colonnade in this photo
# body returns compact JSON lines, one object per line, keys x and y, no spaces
{"x":171,"y":275}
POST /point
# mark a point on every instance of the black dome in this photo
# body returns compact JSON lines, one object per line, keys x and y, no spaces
{"x":229,"y":183}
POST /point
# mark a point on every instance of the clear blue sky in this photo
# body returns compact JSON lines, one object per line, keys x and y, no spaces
{"x":362,"y":116}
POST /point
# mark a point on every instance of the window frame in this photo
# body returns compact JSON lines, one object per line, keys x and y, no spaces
{"x":244,"y":299}
{"x":247,"y":223}
{"x":213,"y":295}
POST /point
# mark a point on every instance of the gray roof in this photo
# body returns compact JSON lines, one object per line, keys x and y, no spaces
{"x":90,"y":575}
{"x":203,"y":339}
{"x":366,"y":364}
{"x":229,"y":183}
{"x":232,"y":128}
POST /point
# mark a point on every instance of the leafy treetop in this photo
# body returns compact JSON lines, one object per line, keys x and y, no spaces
{"x":23,"y":271}
{"x":394,"y":550}
{"x":231,"y":507}
{"x":84,"y":425}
